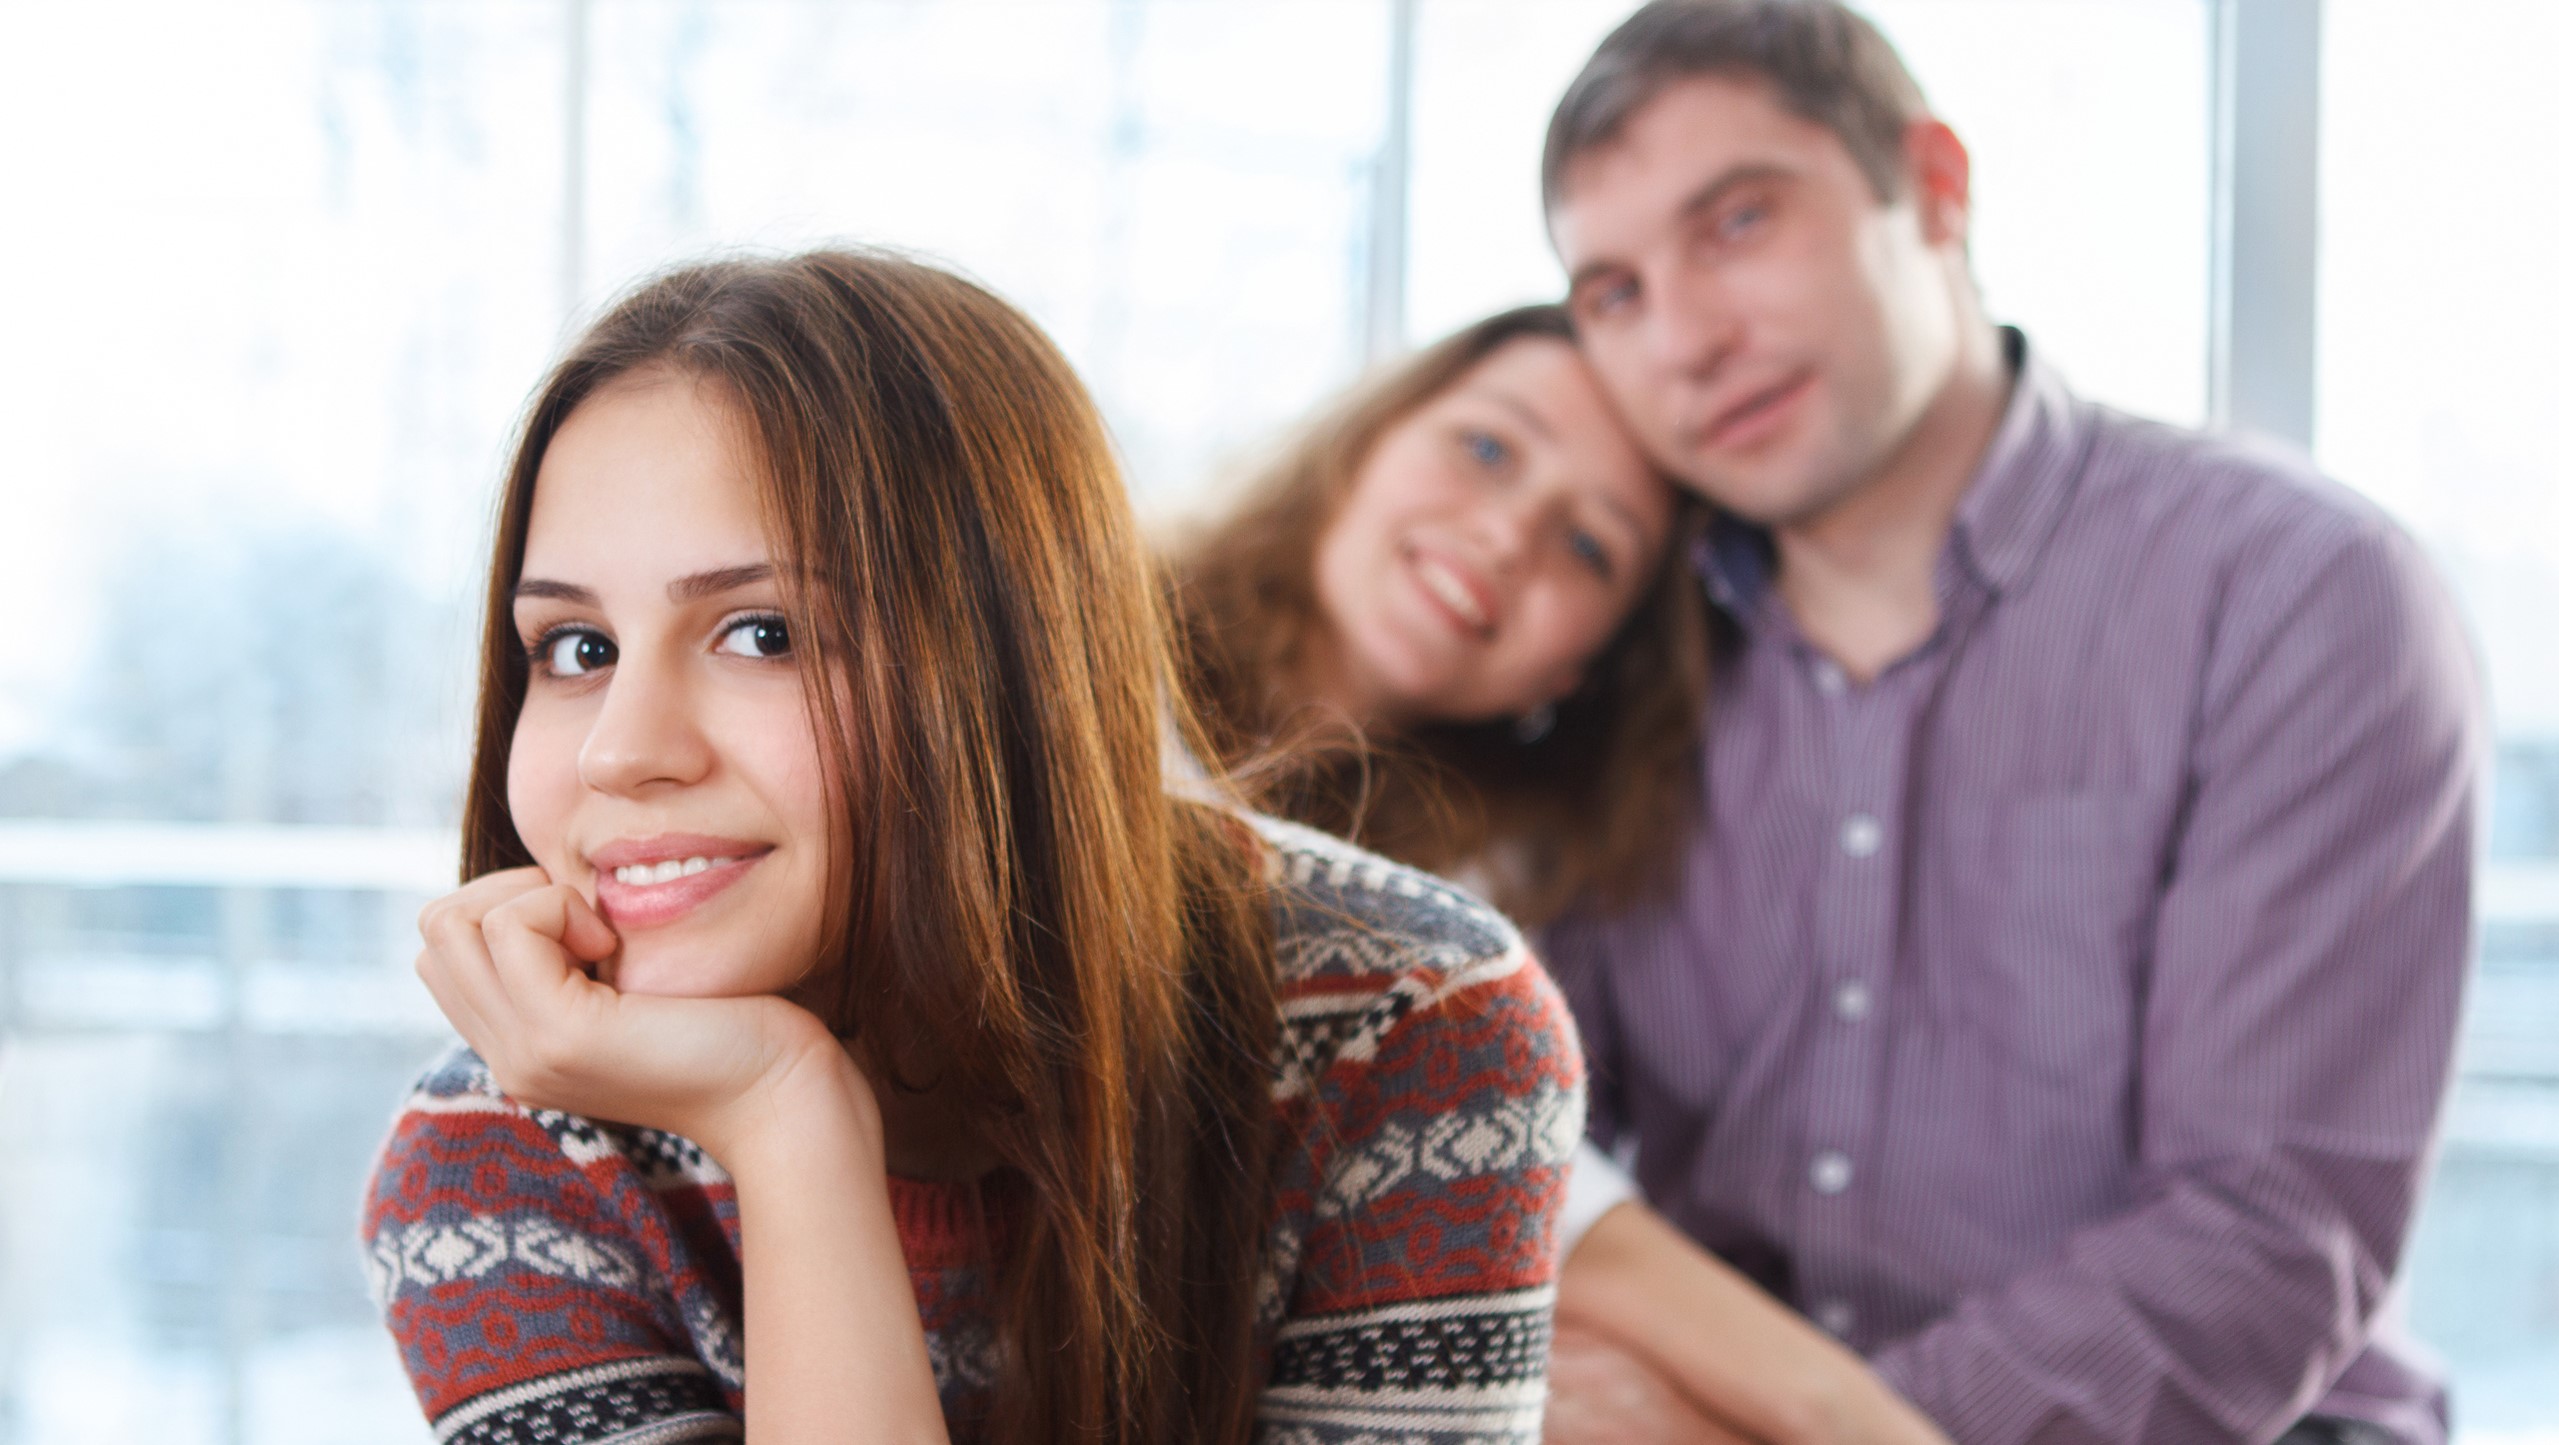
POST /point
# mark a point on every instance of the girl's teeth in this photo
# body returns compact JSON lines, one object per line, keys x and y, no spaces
{"x":641,"y":875}
{"x":1451,"y":591}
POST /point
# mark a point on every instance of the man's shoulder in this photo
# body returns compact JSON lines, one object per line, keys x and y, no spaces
{"x":2231,"y":496}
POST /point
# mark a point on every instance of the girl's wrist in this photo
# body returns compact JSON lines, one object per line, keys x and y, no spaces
{"x":813,"y":1100}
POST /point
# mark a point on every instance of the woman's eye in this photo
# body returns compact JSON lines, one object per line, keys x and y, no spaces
{"x":574,"y":652}
{"x":1489,"y":451}
{"x":1588,"y":550}
{"x":760,"y":637}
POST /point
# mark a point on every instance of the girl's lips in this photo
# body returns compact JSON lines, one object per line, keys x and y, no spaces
{"x":629,"y":893}
{"x":1454,"y":595}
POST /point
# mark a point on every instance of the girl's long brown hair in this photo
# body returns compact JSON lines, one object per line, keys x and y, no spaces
{"x":1086,"y":960}
{"x":1592,"y":812}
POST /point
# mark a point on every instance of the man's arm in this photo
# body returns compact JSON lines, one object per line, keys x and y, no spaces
{"x":2302,"y":996}
{"x":1746,"y":1362}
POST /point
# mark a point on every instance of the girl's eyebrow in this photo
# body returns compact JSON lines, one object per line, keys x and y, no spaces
{"x":716,"y":581}
{"x":556,"y":591}
{"x":692,"y":588}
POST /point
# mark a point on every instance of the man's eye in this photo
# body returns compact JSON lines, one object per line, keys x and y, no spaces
{"x":574,"y":652}
{"x":1604,"y":300}
{"x":756,"y":637}
{"x":1742,"y":220}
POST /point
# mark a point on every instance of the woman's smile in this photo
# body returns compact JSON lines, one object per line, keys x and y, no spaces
{"x":652,"y":882}
{"x":1460,"y":596}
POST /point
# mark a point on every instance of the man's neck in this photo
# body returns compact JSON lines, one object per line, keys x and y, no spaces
{"x":1860,"y":576}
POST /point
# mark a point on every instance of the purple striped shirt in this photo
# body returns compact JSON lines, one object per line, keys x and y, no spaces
{"x":2063,"y":1018}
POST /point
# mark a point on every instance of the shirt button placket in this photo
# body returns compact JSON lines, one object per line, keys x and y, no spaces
{"x":1869,"y":727}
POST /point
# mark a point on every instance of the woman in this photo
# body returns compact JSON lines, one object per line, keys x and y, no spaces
{"x":1454,"y":614}
{"x":962,"y":1083}
{"x":1445,"y":610}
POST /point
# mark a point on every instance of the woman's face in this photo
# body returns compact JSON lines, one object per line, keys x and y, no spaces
{"x":1491,"y":543}
{"x":664,"y":764}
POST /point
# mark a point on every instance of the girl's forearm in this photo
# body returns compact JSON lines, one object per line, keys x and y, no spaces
{"x":834,"y":1346}
{"x":1742,"y":1355}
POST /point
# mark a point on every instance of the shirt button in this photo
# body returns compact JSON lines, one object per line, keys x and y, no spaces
{"x":1831,"y":1172}
{"x":1861,"y":835}
{"x":1828,"y":680}
{"x":1852,"y":1000}
{"x":1836,"y":1315}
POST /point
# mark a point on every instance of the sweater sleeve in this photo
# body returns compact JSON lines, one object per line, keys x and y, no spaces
{"x":1422,"y":1302}
{"x":525,"y":1294}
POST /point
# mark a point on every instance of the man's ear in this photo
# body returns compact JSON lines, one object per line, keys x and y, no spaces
{"x":1941,"y":180}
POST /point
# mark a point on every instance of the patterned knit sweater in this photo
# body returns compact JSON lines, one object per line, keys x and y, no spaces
{"x":549,"y":1278}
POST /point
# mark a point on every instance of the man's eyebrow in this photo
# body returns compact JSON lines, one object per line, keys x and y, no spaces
{"x":557,"y":591}
{"x":1704,"y":197}
{"x":716,"y":581}
{"x":1699,"y":200}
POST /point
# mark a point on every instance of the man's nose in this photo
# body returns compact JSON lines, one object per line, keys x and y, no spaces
{"x":1691,"y":329}
{"x":646,"y":735}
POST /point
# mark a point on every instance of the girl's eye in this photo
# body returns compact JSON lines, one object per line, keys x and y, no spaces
{"x":1589,"y":552}
{"x":1488,"y":450}
{"x":574,"y":652}
{"x":759,"y":637}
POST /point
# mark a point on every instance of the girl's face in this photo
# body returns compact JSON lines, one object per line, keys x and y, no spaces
{"x":1491,"y":543}
{"x":665,"y":765}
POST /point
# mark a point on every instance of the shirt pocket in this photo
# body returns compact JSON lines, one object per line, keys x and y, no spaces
{"x":2041,"y":942}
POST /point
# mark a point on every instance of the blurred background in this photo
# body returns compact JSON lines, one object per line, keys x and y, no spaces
{"x":280,"y":273}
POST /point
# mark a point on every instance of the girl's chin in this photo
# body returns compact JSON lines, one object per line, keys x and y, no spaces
{"x":684,"y":973}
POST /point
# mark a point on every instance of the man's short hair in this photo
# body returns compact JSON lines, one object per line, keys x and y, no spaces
{"x":1824,"y":62}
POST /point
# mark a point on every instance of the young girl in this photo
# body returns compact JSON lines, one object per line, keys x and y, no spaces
{"x":1448,"y":610}
{"x":850,"y":1007}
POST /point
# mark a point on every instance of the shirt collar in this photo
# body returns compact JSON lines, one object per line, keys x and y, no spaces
{"x":2006,"y":516}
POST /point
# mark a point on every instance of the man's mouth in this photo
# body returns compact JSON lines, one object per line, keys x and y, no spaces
{"x":1748,"y":420}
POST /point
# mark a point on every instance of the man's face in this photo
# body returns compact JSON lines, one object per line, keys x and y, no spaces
{"x":1770,"y":329}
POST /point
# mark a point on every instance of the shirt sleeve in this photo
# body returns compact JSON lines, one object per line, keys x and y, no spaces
{"x":2306,"y":974}
{"x":1425,"y":1291}
{"x":522,"y":1308}
{"x":1598,"y":1184}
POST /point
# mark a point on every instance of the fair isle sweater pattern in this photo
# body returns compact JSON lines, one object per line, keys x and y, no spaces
{"x":549,"y":1278}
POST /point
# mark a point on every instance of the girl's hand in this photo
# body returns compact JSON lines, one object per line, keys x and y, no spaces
{"x":510,"y":960}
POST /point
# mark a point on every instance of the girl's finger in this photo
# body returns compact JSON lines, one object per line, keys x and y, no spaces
{"x":456,"y":1006}
{"x":467,"y":905}
{"x":462,"y":976}
{"x":526,"y":942}
{"x":588,"y":937}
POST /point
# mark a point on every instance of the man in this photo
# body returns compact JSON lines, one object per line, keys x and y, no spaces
{"x":2057,"y":1001}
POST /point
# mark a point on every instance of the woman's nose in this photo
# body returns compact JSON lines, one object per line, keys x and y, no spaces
{"x":645,"y":735}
